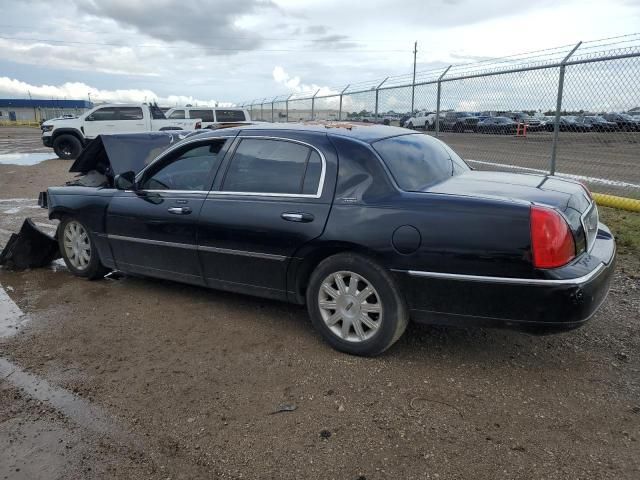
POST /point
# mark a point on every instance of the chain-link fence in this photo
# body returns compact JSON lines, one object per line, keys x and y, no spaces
{"x":573,"y":111}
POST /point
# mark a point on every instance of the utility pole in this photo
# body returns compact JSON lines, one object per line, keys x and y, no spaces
{"x":413,"y":84}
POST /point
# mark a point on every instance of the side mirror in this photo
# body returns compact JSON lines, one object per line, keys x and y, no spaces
{"x":125,"y":181}
{"x":89,"y":118}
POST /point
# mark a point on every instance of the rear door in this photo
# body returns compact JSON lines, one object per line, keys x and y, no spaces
{"x":130,"y":120}
{"x":152,"y":231}
{"x":204,"y":114}
{"x":273,"y":196}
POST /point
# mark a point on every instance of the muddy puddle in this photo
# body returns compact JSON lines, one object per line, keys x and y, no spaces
{"x":24,"y":158}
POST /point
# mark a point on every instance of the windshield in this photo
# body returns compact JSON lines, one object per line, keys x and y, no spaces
{"x":417,"y":161}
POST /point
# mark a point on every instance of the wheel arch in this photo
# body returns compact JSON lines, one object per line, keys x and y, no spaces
{"x":307,"y":259}
{"x":68,"y":131}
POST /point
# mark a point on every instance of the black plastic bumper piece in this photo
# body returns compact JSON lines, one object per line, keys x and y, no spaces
{"x":30,"y":248}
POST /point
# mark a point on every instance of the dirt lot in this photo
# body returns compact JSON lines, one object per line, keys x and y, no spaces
{"x":139,"y":378}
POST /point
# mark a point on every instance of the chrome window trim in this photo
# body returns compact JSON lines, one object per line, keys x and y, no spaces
{"x":202,"y":248}
{"x":507,"y":280}
{"x":323,"y":172}
{"x":318,"y":193}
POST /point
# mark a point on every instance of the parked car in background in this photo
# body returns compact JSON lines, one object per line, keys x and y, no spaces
{"x":533,"y":124}
{"x":67,"y":136}
{"x":503,"y":125}
{"x":568,"y":123}
{"x":424,"y":119}
{"x":624,"y":121}
{"x":210,"y":115}
{"x":400,"y":227}
{"x":597,"y":123}
{"x":459,"y":122}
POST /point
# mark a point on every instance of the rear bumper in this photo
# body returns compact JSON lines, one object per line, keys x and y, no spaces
{"x":541,"y":305}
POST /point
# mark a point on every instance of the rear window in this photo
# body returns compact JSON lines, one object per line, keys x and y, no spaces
{"x":417,"y":161}
{"x":204,"y":115}
{"x":230,"y":116}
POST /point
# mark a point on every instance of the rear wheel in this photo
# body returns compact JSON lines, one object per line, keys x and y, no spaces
{"x":67,"y":147}
{"x":356,"y":305}
{"x":78,"y":250}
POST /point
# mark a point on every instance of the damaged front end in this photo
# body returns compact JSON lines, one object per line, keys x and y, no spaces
{"x":97,"y":166}
{"x":29,"y":248}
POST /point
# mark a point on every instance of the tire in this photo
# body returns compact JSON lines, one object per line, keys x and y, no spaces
{"x":71,"y":246}
{"x":67,"y":146}
{"x":387,"y":314}
{"x":409,"y":125}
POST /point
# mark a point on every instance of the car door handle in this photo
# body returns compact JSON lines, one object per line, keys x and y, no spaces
{"x":297,"y":217}
{"x":179,"y":210}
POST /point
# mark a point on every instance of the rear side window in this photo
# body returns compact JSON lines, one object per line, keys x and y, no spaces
{"x":177,"y":114}
{"x":230,"y":116}
{"x":205,"y":115}
{"x":273,"y":166}
{"x":417,"y":161}
{"x":130,"y":113}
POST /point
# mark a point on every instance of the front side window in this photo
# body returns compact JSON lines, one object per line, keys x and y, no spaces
{"x":273,"y":166}
{"x":418,"y":161}
{"x":187,"y":169}
{"x":130,"y":113}
{"x":106,"y":114}
{"x":177,"y":114}
{"x":230,"y":116}
{"x":204,"y":115}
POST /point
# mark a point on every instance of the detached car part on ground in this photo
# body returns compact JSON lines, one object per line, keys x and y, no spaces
{"x":368,"y":225}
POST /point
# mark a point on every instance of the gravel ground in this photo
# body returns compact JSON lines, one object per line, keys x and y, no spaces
{"x":189,"y":383}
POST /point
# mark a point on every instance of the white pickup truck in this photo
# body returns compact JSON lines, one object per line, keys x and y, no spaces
{"x":67,"y":136}
{"x":425,"y":120}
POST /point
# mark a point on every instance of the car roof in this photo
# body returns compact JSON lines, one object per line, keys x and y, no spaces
{"x":365,"y":132}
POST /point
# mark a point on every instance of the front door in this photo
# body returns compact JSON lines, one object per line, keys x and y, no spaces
{"x":152,"y":230}
{"x":101,"y":121}
{"x":271,"y":201}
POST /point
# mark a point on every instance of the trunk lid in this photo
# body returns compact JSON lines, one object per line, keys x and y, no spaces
{"x":568,"y":197}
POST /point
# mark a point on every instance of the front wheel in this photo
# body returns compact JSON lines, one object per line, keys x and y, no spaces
{"x":78,"y":250}
{"x":409,"y":125}
{"x":356,"y":305}
{"x":67,"y":147}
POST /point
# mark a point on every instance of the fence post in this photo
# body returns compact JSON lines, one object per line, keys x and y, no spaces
{"x":377,"y":91}
{"x":272,"y":102}
{"x":340,"y":108}
{"x":286,"y":104}
{"x":313,"y":103}
{"x":556,"y":120}
{"x":438,"y":100}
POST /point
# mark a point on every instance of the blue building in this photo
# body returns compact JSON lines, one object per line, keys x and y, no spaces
{"x":26,"y":110}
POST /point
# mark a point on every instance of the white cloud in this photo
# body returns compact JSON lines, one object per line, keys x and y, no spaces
{"x":78,"y":90}
{"x":295,"y":85}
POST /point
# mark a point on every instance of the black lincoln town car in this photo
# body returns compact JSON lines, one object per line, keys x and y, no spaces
{"x":369,"y":226}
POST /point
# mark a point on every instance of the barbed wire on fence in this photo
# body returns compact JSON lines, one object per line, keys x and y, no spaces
{"x":569,"y":85}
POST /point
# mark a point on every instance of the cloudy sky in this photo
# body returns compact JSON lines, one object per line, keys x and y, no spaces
{"x":233,"y":50}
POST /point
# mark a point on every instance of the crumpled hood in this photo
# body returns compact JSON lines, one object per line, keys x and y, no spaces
{"x":119,"y":153}
{"x":60,"y":120}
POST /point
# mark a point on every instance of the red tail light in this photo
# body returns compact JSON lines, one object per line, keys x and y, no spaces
{"x":198,"y":125}
{"x":552,"y":243}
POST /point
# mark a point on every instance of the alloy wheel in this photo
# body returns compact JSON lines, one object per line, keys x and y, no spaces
{"x":77,"y":245}
{"x":350,"y":306}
